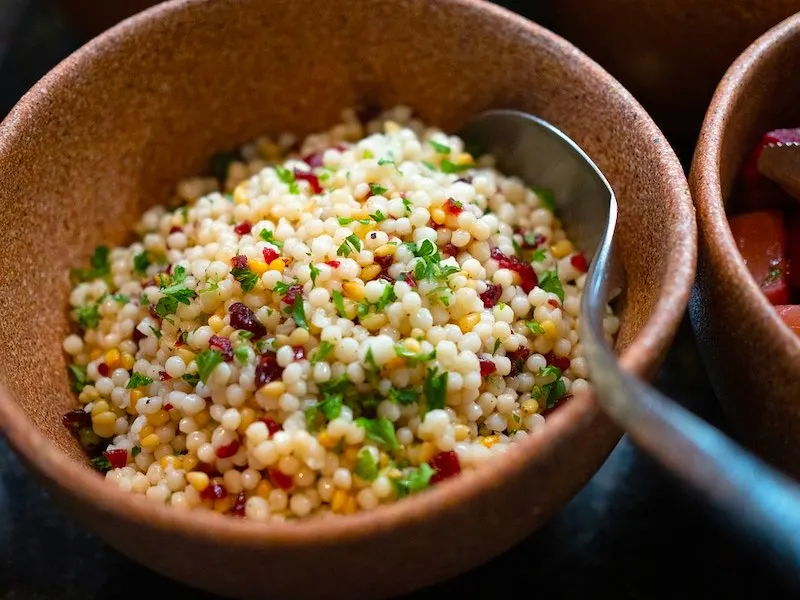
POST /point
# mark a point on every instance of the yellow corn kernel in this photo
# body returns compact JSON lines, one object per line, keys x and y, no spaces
{"x":394,"y":473}
{"x":561,"y":249}
{"x":131,"y":410}
{"x":104,"y":418}
{"x":351,"y":506}
{"x":465,"y":158}
{"x":216,"y":323}
{"x":175,"y":416}
{"x":170,"y":461}
{"x":100,"y":407}
{"x":438,"y":215}
{"x":412,"y":345}
{"x":371,"y":272}
{"x":113,"y":358}
{"x":259,"y":267}
{"x":395,"y":363}
{"x":550,"y":330}
{"x":159,"y":419}
{"x":351,"y":453}
{"x":127,"y":361}
{"x":326,"y":441}
{"x":354,"y":290}
{"x":490,"y":440}
{"x":145,"y":431}
{"x":338,"y":501}
{"x":281,"y":340}
{"x":530,"y":406}
{"x":467,"y":322}
{"x":198,"y":480}
{"x":223,"y":505}
{"x":299,"y":337}
{"x":386,"y":250}
{"x":240,"y":195}
{"x":95,"y":354}
{"x":426,"y":452}
{"x":226,"y":331}
{"x":374,"y":321}
{"x":274,"y":389}
{"x":202,"y":418}
{"x":263,"y":489}
{"x":277,"y":265}
{"x":189,"y":462}
{"x":136,"y":395}
{"x":105,"y":430}
{"x":461,"y":432}
{"x":186,"y":355}
{"x":151,"y":441}
{"x":247,"y":417}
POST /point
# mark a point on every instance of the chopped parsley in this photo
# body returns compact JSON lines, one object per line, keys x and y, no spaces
{"x":535,"y":327}
{"x":136,"y":451}
{"x":175,"y":293}
{"x":138,"y":380}
{"x":206,"y":362}
{"x":77,"y":377}
{"x":269,"y":237}
{"x":546,"y":197}
{"x":88,"y":317}
{"x":386,"y":161}
{"x":121,"y":298}
{"x":156,"y":332}
{"x":377,"y":189}
{"x":246,"y":278}
{"x":101,"y":463}
{"x":281,"y":288}
{"x":100,"y":266}
{"x":380,"y":431}
{"x":350,"y":244}
{"x":429,"y":264}
{"x":451,"y":167}
{"x":435,"y":389}
{"x":378,"y":216}
{"x":429,"y":165}
{"x":141,"y":261}
{"x":539,"y":255}
{"x":299,"y":313}
{"x":329,"y":408}
{"x":242,"y":354}
{"x":348,"y":220}
{"x":406,"y":204}
{"x":314,"y":270}
{"x":191,"y":378}
{"x":550,"y":282}
{"x":439,"y":147}
{"x":366,"y":466}
{"x":386,"y":298}
{"x":549,"y":371}
{"x":286,"y":176}
{"x":413,"y":358}
{"x":323,"y":352}
{"x":403,"y":396}
{"x":497,"y":343}
{"x":338,"y":302}
{"x":413,"y":481}
{"x":553,"y":391}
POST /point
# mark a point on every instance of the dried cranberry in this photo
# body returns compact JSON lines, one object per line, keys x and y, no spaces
{"x":518,"y":358}
{"x":75,"y":419}
{"x":102,"y":368}
{"x":168,"y":406}
{"x":532,"y":242}
{"x":179,"y":341}
{"x":175,"y":229}
{"x":384,"y":262}
{"x":561,"y":362}
{"x":446,"y":465}
{"x":333,"y":264}
{"x":487,"y":366}
{"x":267,"y":369}
{"x":243,"y":228}
{"x":118,"y":458}
{"x":270,"y":254}
{"x":579,"y":262}
{"x":292,"y":293}
{"x":312,"y":180}
{"x":239,"y":261}
{"x":137,"y":336}
{"x":281,"y":479}
{"x":228,"y":450}
{"x":164,"y":376}
{"x":299,"y":352}
{"x":512,"y":263}
{"x":237,"y":510}
{"x":314,"y":160}
{"x":491,"y":295}
{"x":452,"y":207}
{"x":450,"y":249}
{"x":272,"y":426}
{"x":244,"y":318}
{"x":223,"y":346}
{"x":214,"y":491}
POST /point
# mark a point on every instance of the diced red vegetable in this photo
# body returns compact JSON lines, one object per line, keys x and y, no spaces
{"x":239,"y":261}
{"x":244,"y":318}
{"x":525,"y":271}
{"x":102,"y":368}
{"x":280,"y":479}
{"x":333,"y":264}
{"x":579,"y":262}
{"x":562,"y":362}
{"x":452,"y":207}
{"x":299,"y":352}
{"x":491,"y":295}
{"x":175,"y":229}
{"x":384,"y":262}
{"x":450,"y":249}
{"x":243,"y":228}
{"x":487,"y":366}
{"x":272,"y":426}
{"x":164,"y":376}
{"x":553,"y":302}
{"x":270,"y":254}
{"x":446,"y":465}
{"x":168,"y":406}
{"x":267,"y":369}
{"x":791,"y":316}
{"x":214,"y":491}
{"x":793,"y":251}
{"x":223,"y":346}
{"x":761,"y":239}
{"x":228,"y":450}
{"x":410,"y":279}
{"x":312,"y":180}
{"x":756,"y":192}
{"x":118,"y":458}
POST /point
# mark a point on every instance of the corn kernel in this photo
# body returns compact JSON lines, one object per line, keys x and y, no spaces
{"x":247,"y":417}
{"x":95,"y":354}
{"x":104,"y":418}
{"x":189,"y":462}
{"x":274,"y":389}
{"x":202,"y":418}
{"x":198,"y":480}
{"x":240,"y":196}
{"x":438,"y":215}
{"x":263,"y":489}
{"x":530,"y":406}
{"x":113,"y":358}
{"x":277,"y":265}
{"x":145,"y":431}
{"x":338,"y":501}
{"x":186,"y":355}
{"x":371,"y":272}
{"x":467,"y":322}
{"x":395,"y":363}
{"x":426,"y":452}
{"x":151,"y":441}
{"x":131,"y":410}
{"x":351,"y":506}
{"x":354,"y":290}
{"x":561,"y":249}
{"x":550,"y":330}
{"x":490,"y":440}
{"x":127,"y":361}
{"x":326,"y":441}
{"x":412,"y":345}
{"x":136,"y":395}
{"x":386,"y":250}
{"x":226,"y":331}
{"x":100,"y":407}
{"x":223,"y":505}
{"x":259,"y":267}
{"x":374,"y":321}
{"x":461,"y":432}
{"x":159,"y":419}
{"x":170,"y":461}
{"x":105,"y":430}
{"x":465,"y":158}
{"x":216,"y":323}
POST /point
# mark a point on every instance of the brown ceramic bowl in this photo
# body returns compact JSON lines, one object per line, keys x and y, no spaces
{"x":671,"y":53}
{"x":111,"y":130}
{"x":752,"y":356}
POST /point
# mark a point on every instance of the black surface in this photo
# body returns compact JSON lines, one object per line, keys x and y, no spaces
{"x":629,"y":534}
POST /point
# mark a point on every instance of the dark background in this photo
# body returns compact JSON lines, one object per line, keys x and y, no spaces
{"x":629,"y":534}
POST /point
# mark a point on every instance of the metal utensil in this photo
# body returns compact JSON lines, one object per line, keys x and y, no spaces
{"x":760,"y":503}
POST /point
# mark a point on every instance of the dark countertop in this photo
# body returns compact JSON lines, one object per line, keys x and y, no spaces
{"x":631,"y":533}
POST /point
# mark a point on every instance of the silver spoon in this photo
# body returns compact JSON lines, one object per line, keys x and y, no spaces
{"x":759,"y":502}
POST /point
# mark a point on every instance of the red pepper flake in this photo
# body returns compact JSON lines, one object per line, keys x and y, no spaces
{"x":168,"y":406}
{"x":386,"y":277}
{"x":239,"y":261}
{"x":561,"y":362}
{"x":118,"y":458}
{"x":243,"y":228}
{"x":512,"y":263}
{"x":518,"y":358}
{"x":446,"y":465}
{"x":237,"y":510}
{"x":334,"y":264}
{"x":312,"y":180}
{"x":491,"y":296}
{"x":223,"y":346}
{"x":214,"y":491}
{"x":175,"y":229}
{"x":292,"y":293}
{"x":299,"y":352}
{"x":164,"y":376}
{"x":579,"y":262}
{"x":270,"y":254}
{"x":453,"y":207}
{"x":267,"y":369}
{"x":280,"y":479}
{"x":272,"y":426}
{"x":102,"y":368}
{"x":244,"y":318}
{"x":228,"y":450}
{"x":77,"y":419}
{"x":487,"y":366}
{"x":450,"y":249}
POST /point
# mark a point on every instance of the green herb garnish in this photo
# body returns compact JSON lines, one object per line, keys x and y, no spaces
{"x":77,"y":378}
{"x":414,"y":481}
{"x":386,"y":298}
{"x":403,"y":396}
{"x":376,"y":189}
{"x":287,"y":177}
{"x":175,"y":293}
{"x":141,"y":262}
{"x":156,"y":332}
{"x":101,"y":463}
{"x":380,"y":431}
{"x":338,"y":302}
{"x":440,"y":148}
{"x":206,"y":362}
{"x":350,"y":244}
{"x":88,"y":317}
{"x":366,"y":466}
{"x":413,"y":358}
{"x":136,"y":451}
{"x":539,"y":255}
{"x":323,"y":352}
{"x":496,"y":346}
{"x":299,"y":313}
{"x":191,"y":378}
{"x":242,"y":354}
{"x":546,"y":197}
{"x":138,"y":380}
{"x":246,"y":278}
{"x":348,"y":220}
{"x":450,"y":167}
{"x":121,"y":298}
{"x":535,"y":327}
{"x":435,"y":389}
{"x":378,"y":216}
{"x":314,"y":270}
{"x":269,"y":237}
{"x":100,"y":266}
{"x":550,"y":282}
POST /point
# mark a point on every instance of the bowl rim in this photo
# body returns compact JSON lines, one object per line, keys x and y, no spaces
{"x":706,"y":183}
{"x":655,"y":335}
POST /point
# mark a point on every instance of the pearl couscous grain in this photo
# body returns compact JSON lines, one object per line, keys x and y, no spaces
{"x":328,"y":330}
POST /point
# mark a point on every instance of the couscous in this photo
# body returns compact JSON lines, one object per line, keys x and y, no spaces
{"x":325,"y":327}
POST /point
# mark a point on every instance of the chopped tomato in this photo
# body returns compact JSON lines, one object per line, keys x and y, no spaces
{"x":791,"y":316}
{"x":793,"y":243}
{"x":761,"y":239}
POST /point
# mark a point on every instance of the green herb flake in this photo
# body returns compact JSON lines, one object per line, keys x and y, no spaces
{"x":77,"y":378}
{"x":87,"y":317}
{"x":101,"y":463}
{"x":413,"y":481}
{"x":429,"y":165}
{"x":286,"y":176}
{"x":246,"y":278}
{"x":206,"y":362}
{"x":281,"y":288}
{"x":156,"y":332}
{"x":136,"y":451}
{"x":403,"y":396}
{"x":435,"y":389}
{"x":497,"y":344}
{"x":323,"y":352}
{"x":269,"y":237}
{"x":550,"y":371}
{"x":413,"y":358}
{"x":350,"y":244}
{"x":338,"y":302}
{"x":377,"y":189}
{"x":141,"y":262}
{"x":191,"y":378}
{"x":138,"y":380}
{"x":314,"y":270}
{"x":100,"y":266}
{"x":368,"y":154}
{"x":546,"y":197}
{"x":386,"y":298}
{"x":366,"y":466}
{"x":386,"y":161}
{"x":539,"y":255}
{"x":380,"y":431}
{"x":535,"y":327}
{"x":439,"y":147}
{"x":175,"y":293}
{"x":550,"y":283}
{"x":348,"y":220}
{"x":406,"y":204}
{"x":378,"y":216}
{"x":450,"y":167}
{"x":299,"y":313}
{"x":121,"y":298}
{"x":242,"y":354}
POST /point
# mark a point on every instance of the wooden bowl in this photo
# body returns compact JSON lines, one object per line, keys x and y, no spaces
{"x":670,"y":55}
{"x":752,"y":356}
{"x":110,"y":131}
